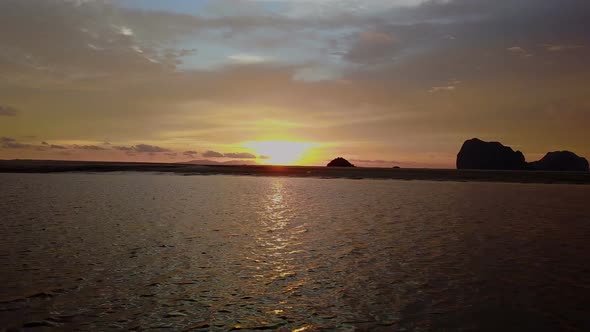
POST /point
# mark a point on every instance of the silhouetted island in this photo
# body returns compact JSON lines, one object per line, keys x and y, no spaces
{"x":478,"y":154}
{"x":340,"y":162}
{"x":561,"y":161}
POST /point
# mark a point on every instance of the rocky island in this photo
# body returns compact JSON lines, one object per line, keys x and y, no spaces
{"x":478,"y":154}
{"x":340,"y":162}
{"x":561,"y":161}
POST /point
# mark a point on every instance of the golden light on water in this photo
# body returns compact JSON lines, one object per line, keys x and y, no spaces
{"x":282,"y":152}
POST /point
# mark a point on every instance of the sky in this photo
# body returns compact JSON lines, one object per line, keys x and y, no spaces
{"x":381,"y":83}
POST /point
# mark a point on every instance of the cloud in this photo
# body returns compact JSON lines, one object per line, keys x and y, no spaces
{"x":81,"y":39}
{"x":171,"y":155}
{"x":190,"y":154}
{"x":11,"y":143}
{"x":448,"y":88}
{"x":561,"y":47}
{"x":519,"y":51}
{"x":16,"y":145}
{"x":124,"y":148}
{"x":125,"y":31}
{"x":89,"y":147}
{"x":516,"y":49}
{"x":241,"y":155}
{"x":149,"y":148}
{"x":8,"y":111}
{"x":142,"y":148}
{"x":376,"y":38}
{"x":375,"y":69}
{"x":53,"y":146}
{"x":213,"y":154}
{"x":247,"y":58}
{"x":373,"y":47}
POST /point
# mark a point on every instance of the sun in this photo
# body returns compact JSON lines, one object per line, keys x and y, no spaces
{"x":280,"y":152}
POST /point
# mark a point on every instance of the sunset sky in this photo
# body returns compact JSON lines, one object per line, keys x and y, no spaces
{"x":379,"y":82}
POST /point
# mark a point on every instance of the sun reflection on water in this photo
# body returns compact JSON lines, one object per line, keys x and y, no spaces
{"x":275,"y":239}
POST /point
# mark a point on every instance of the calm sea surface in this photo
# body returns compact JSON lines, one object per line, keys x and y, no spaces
{"x":150,"y":252}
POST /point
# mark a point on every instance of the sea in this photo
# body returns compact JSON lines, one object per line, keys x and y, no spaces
{"x":156,"y":252}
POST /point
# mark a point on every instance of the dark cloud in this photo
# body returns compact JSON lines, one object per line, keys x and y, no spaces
{"x":190,"y":154}
{"x":79,"y":38}
{"x":141,"y":148}
{"x":123,"y":148}
{"x":89,"y":147}
{"x":171,"y":154}
{"x":460,"y":10}
{"x":8,"y":111}
{"x":212,"y":154}
{"x":241,"y":155}
{"x":53,"y":146}
{"x":373,"y":47}
{"x":474,"y":28}
{"x":11,"y":143}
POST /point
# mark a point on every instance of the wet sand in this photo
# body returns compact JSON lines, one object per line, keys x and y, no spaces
{"x":39,"y":166}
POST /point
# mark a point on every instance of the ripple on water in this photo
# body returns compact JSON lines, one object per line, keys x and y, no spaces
{"x":140,"y":251}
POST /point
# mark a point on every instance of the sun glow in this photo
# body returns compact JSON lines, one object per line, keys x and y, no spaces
{"x":281,"y":152}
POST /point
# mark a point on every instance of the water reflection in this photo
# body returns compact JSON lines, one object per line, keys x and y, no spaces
{"x":275,"y":217}
{"x":290,"y":254}
{"x":274,"y":237}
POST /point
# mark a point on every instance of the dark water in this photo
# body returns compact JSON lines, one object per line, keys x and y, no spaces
{"x":150,"y":252}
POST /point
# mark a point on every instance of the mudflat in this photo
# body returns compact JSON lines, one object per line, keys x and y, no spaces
{"x":42,"y":166}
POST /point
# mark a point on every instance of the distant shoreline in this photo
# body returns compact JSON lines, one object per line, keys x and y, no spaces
{"x":35,"y":166}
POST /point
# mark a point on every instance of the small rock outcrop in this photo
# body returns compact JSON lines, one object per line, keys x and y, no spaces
{"x":477,"y":154}
{"x":561,"y":161}
{"x":340,"y":162}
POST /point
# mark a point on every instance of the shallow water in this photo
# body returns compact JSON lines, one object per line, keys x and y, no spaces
{"x":151,"y":252}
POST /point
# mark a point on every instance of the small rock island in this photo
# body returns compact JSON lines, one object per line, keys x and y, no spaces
{"x":478,"y":154}
{"x":340,"y":162}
